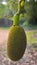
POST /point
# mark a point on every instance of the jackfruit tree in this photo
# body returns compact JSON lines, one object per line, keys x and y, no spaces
{"x":16,"y":43}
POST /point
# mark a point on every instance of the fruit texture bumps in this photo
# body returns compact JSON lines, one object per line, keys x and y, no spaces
{"x":16,"y":44}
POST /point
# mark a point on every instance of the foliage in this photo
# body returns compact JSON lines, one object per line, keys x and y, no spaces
{"x":13,"y":4}
{"x":9,"y":9}
{"x":31,"y":8}
{"x":33,"y":21}
{"x":3,"y":10}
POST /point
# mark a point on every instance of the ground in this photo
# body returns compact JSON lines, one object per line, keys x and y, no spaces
{"x":29,"y":57}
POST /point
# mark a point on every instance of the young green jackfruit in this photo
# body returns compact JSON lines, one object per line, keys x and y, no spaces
{"x":16,"y":43}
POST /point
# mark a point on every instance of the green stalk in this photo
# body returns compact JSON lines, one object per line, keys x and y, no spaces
{"x":16,"y":17}
{"x":21,"y":6}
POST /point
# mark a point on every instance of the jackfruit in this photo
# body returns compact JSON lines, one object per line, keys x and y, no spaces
{"x":16,"y":43}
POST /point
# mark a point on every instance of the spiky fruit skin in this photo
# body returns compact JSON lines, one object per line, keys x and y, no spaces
{"x":16,"y":43}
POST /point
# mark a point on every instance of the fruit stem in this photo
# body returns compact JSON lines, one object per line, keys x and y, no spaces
{"x":21,"y":10}
{"x":16,"y":19}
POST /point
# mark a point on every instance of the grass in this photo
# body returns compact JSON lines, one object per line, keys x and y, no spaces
{"x":31,"y":36}
{"x":4,"y":28}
